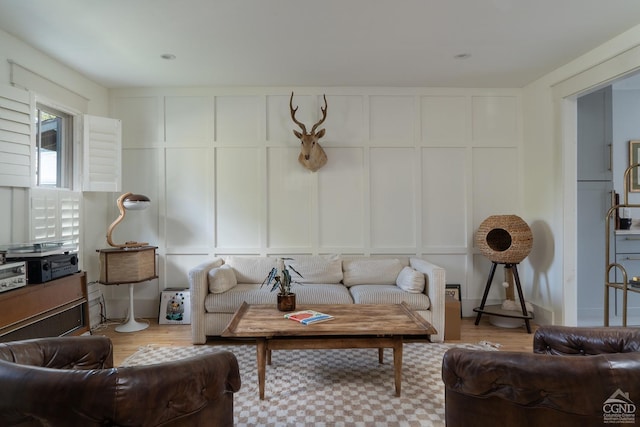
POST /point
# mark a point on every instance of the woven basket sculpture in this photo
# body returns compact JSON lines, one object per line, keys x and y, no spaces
{"x":504,"y":239}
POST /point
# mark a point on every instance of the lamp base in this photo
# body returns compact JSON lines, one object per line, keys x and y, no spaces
{"x":132,"y":326}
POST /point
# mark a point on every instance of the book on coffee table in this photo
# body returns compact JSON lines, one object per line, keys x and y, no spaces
{"x":307,"y":317}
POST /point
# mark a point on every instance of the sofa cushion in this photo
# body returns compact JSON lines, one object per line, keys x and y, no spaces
{"x":410,"y":280}
{"x":388,"y":294}
{"x":321,"y":294}
{"x":370,"y":271}
{"x":316,"y":269}
{"x":222,"y":279}
{"x":228,"y":302}
{"x":251,"y":269}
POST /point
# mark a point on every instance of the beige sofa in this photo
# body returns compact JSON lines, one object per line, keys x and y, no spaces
{"x":219,"y":286}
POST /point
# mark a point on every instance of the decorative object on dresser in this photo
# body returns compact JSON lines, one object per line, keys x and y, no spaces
{"x":312,"y":155}
{"x":505,"y":239}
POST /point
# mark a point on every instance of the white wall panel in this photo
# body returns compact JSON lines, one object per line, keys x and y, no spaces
{"x":341,"y":189}
{"x":495,"y":183}
{"x":177,"y":269}
{"x":141,"y":126}
{"x":393,"y":198}
{"x":408,"y":172}
{"x":444,"y":119}
{"x":444,"y":205}
{"x":279,"y":124}
{"x":189,"y":120}
{"x":188,"y":202}
{"x":290,"y":200}
{"x":392,"y":119}
{"x":141,"y":175}
{"x":495,"y":120}
{"x":239,"y":119}
{"x":345,"y":122}
{"x":239,"y":197}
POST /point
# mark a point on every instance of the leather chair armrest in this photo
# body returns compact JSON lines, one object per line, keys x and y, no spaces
{"x":564,"y":340}
{"x":139,"y":395}
{"x":572,"y":385}
{"x":176,"y":388}
{"x":86,"y":352}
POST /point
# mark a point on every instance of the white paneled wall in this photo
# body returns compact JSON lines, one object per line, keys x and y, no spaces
{"x":410,"y":172}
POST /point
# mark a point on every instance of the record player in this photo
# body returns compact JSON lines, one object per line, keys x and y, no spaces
{"x":46,"y":260}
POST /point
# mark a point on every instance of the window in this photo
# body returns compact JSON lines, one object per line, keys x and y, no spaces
{"x":54,"y":143}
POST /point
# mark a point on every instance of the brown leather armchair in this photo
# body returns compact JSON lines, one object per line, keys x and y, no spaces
{"x":71,"y":381}
{"x":575,"y":377}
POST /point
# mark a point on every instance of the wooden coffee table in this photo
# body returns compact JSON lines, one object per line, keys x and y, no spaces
{"x":354,"y":326}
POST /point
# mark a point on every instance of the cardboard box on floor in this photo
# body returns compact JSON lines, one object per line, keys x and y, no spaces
{"x":451,"y":318}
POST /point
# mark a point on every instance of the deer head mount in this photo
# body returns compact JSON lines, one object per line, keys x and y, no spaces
{"x":312,"y":156}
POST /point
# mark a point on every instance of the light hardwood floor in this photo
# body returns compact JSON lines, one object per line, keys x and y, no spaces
{"x":125,"y":344}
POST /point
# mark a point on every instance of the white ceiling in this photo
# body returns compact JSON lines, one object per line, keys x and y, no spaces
{"x":118,"y":43}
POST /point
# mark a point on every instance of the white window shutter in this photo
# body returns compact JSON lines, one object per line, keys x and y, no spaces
{"x":55,"y":214}
{"x":102,"y":162}
{"x":44,"y":214}
{"x":16,"y":137}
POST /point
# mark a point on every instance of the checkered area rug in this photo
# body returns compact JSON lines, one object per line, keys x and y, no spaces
{"x":331,"y":387}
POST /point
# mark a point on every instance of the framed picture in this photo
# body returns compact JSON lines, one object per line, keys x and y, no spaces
{"x":634,"y":157}
{"x":453,"y":290}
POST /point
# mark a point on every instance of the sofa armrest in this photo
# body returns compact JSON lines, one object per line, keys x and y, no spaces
{"x":199,"y":287}
{"x":86,"y":352}
{"x":565,"y":340}
{"x":435,"y":277}
{"x":512,"y":381}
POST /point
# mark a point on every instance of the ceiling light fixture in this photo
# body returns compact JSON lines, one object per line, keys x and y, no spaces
{"x":168,"y":56}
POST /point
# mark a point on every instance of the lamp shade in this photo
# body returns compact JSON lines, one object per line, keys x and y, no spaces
{"x":136,"y":202}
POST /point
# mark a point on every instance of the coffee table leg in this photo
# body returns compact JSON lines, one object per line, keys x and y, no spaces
{"x":397,"y":364}
{"x":381,"y":356}
{"x":261,"y":347}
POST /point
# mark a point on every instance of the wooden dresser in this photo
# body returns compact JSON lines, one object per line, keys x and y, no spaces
{"x":55,"y":308}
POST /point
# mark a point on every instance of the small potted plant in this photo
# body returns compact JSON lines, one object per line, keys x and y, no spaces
{"x":282,"y":282}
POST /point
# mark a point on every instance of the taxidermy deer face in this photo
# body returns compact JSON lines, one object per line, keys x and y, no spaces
{"x":312,"y":155}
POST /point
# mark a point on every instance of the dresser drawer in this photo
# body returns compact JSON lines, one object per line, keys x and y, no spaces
{"x":627,"y":243}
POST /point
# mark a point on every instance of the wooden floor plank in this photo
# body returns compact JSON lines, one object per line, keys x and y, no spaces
{"x":125,"y":344}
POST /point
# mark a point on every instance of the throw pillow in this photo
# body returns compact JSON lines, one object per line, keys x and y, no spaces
{"x":410,"y":280}
{"x":221,"y":279}
{"x":316,"y":269}
{"x":371,"y":271}
{"x":251,"y":269}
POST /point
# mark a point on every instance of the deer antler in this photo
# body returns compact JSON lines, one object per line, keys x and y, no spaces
{"x":293,"y":115}
{"x":324,"y":115}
